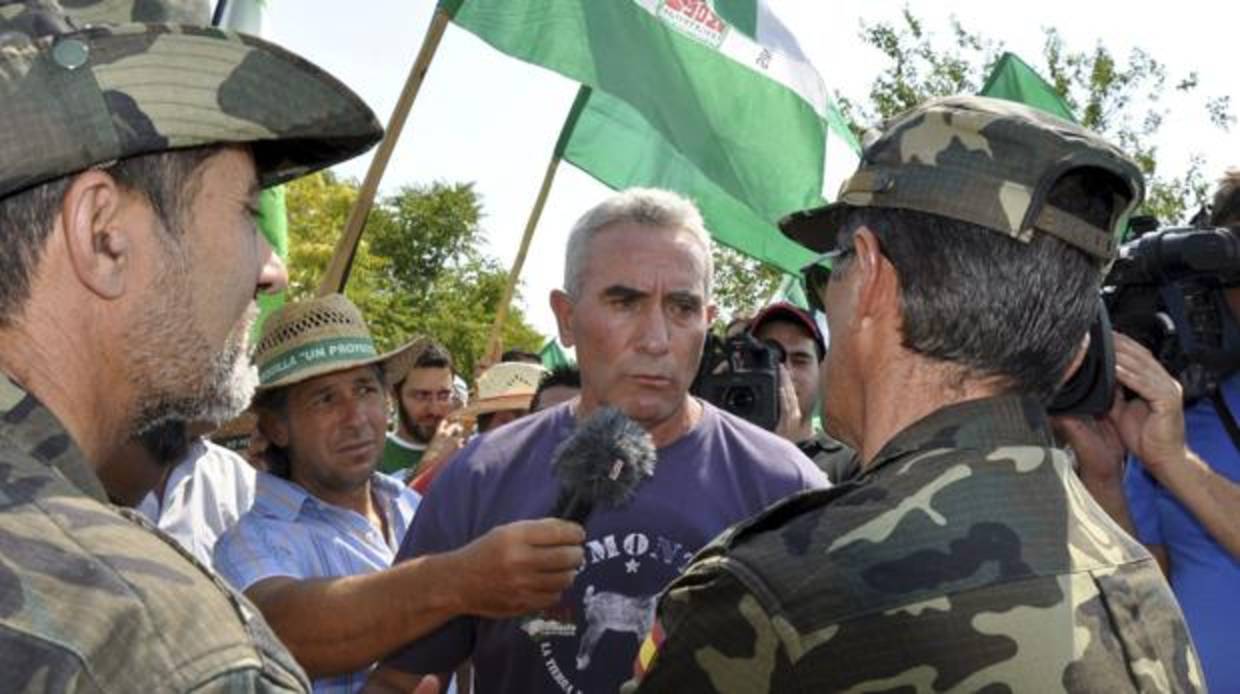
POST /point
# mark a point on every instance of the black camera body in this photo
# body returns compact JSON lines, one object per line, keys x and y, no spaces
{"x":1164,"y":292}
{"x":740,"y":374}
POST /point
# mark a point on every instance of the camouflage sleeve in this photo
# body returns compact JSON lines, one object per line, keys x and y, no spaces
{"x":715,"y":637}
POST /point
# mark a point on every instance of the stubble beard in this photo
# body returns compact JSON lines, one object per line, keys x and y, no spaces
{"x":177,"y":374}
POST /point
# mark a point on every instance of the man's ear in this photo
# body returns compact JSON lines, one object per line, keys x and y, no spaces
{"x":878,"y":286}
{"x":1077,"y":359}
{"x":562,"y":307}
{"x":100,"y":244}
{"x":712,"y":312}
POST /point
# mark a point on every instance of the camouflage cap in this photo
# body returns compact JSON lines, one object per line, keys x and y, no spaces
{"x":980,"y":160}
{"x":74,"y":94}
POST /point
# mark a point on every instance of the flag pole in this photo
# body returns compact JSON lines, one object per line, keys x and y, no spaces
{"x":495,"y":343}
{"x":337,"y":273}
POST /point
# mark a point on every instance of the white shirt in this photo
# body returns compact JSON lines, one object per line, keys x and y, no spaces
{"x":205,"y":495}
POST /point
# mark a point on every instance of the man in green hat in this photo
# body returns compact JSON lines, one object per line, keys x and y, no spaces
{"x":131,"y":157}
{"x":314,"y":551}
{"x":965,"y":254}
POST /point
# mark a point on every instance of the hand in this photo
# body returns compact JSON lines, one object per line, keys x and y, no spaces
{"x":789,"y":409}
{"x":1151,"y":426}
{"x":428,"y":685}
{"x":448,"y":439}
{"x":1097,"y":445}
{"x":519,"y":568}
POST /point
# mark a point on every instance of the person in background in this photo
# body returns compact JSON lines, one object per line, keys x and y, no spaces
{"x":315,"y":552}
{"x":423,"y":394}
{"x":561,"y":384}
{"x":801,"y":342}
{"x":1180,"y":503}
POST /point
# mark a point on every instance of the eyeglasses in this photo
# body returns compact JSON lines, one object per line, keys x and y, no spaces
{"x":429,"y":395}
{"x":818,"y":272}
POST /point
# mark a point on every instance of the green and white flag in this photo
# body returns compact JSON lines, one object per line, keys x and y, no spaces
{"x":716,"y":101}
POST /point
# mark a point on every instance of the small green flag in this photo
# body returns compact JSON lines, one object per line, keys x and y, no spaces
{"x":1014,"y":80}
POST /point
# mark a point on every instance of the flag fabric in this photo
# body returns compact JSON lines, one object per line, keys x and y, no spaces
{"x":1014,"y":80}
{"x":716,"y":101}
{"x":553,"y":355}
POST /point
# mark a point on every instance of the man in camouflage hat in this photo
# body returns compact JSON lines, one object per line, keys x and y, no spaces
{"x":967,"y":252}
{"x":130,"y":159}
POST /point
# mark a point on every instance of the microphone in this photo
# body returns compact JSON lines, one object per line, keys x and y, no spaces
{"x":601,"y":464}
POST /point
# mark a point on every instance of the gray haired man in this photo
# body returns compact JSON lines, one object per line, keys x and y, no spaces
{"x":636,"y":304}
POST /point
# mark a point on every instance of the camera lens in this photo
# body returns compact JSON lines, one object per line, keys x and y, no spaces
{"x":740,"y":401}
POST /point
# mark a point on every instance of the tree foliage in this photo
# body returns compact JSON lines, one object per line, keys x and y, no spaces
{"x":418,"y":269}
{"x":1121,"y":97}
{"x":742,"y":285}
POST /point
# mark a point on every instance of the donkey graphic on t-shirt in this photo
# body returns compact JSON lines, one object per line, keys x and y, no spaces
{"x":613,"y":612}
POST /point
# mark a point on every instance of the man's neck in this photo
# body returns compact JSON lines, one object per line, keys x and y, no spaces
{"x":358,"y":499}
{"x":663,"y":432}
{"x":907,"y":391}
{"x":84,"y":388}
{"x":408,"y":440}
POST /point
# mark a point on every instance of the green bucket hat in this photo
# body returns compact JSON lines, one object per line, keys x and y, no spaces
{"x":980,"y":160}
{"x":75,"y":94}
{"x":306,"y":339}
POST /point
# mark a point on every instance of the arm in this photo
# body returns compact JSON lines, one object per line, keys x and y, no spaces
{"x":340,"y":625}
{"x":1153,"y":428}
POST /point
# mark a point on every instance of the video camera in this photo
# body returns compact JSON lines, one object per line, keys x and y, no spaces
{"x":740,"y":374}
{"x":1163,"y":291}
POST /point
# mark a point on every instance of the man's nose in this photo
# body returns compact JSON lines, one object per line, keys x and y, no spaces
{"x":273,"y":276}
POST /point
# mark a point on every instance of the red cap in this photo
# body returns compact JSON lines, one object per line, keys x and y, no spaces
{"x":790,"y":313}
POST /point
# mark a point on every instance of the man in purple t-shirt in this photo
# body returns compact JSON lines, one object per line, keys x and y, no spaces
{"x":636,"y":305}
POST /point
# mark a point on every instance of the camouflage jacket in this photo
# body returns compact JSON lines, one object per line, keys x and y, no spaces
{"x":839,"y":462}
{"x":93,"y":601}
{"x":967,"y":558}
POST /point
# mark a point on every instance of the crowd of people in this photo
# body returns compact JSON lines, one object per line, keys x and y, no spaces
{"x":182,"y":511}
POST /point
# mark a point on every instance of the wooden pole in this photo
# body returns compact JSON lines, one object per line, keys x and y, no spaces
{"x":337,"y":274}
{"x":495,"y":345}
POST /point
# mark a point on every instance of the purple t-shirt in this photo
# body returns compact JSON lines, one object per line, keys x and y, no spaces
{"x":722,"y":471}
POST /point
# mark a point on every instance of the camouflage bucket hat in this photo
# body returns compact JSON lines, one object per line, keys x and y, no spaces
{"x":73,"y":95}
{"x":980,"y":160}
{"x":306,"y":339}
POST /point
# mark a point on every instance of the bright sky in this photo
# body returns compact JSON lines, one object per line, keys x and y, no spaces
{"x":484,"y":117}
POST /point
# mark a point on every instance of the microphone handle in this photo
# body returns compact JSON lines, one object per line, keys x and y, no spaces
{"x":572,"y":506}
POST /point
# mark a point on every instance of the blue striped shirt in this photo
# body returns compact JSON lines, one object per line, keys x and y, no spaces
{"x":291,"y":533}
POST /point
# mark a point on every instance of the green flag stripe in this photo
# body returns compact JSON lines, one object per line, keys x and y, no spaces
{"x":615,"y":145}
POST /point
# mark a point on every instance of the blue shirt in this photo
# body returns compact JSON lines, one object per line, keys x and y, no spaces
{"x":1205,"y":578}
{"x":719,"y":473}
{"x":291,"y":533}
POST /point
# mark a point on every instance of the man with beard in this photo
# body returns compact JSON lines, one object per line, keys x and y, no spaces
{"x":131,"y":157}
{"x":314,"y":551}
{"x":424,"y":397}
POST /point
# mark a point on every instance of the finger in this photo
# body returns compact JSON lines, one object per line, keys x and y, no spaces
{"x":549,"y":531}
{"x":551,"y":582}
{"x":555,"y":559}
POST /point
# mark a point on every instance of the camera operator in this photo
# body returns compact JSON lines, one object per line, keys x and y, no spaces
{"x":1179,"y":492}
{"x":803,"y":348}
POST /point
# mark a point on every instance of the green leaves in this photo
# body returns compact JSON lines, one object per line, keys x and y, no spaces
{"x":418,"y":268}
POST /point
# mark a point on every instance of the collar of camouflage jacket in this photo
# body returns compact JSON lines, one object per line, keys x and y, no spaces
{"x":983,"y":424}
{"x":29,"y":427}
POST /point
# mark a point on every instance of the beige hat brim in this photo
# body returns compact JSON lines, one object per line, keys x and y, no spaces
{"x":391,"y":362}
{"x":518,"y":401}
